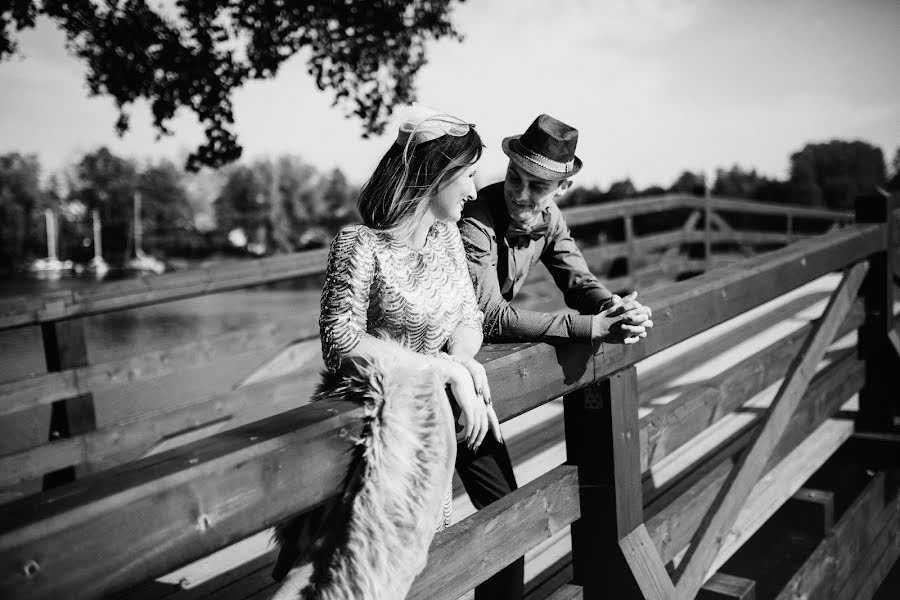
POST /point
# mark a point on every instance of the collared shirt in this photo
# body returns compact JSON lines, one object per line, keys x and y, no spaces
{"x":499,"y":272}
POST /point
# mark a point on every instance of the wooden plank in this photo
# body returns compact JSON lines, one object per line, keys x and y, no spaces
{"x":878,"y":401}
{"x":567,"y":592}
{"x":878,"y":558}
{"x":751,"y":465}
{"x":132,"y":293}
{"x":123,"y":442}
{"x":780,"y":483}
{"x":833,"y":560}
{"x":689,"y":307}
{"x":673,"y":519}
{"x":722,"y":586}
{"x":766,"y":208}
{"x":174,"y":507}
{"x":586,"y":215}
{"x":813,"y":509}
{"x":482,"y":544}
{"x":677,"y":422}
{"x":65,"y":348}
{"x":646,"y":565}
{"x":602,"y":441}
{"x":44,"y":389}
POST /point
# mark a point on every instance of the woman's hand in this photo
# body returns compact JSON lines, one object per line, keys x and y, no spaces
{"x":473,"y":407}
{"x":482,"y":390}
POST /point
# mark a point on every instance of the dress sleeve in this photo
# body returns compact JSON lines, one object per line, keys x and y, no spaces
{"x":345,"y":296}
{"x":471,"y":314}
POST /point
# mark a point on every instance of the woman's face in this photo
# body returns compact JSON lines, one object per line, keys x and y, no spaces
{"x":448,"y":203}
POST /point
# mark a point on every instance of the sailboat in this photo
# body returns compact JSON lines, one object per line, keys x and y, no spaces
{"x":142,"y":261}
{"x":51,"y":267}
{"x":98,"y":265}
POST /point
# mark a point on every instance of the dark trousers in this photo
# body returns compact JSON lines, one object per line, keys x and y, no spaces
{"x":487,"y":475}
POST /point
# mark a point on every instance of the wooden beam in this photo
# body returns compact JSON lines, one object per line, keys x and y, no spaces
{"x":673,"y":518}
{"x":602,"y":441}
{"x":767,"y":208}
{"x":878,"y":558}
{"x":812,"y":509}
{"x":646,"y":566}
{"x":567,"y":592}
{"x":677,"y":422}
{"x":120,"y":443}
{"x":31,"y":392}
{"x":169,"y":509}
{"x":878,"y":401}
{"x":722,"y":586}
{"x":132,"y":293}
{"x":833,"y":560}
{"x":65,"y":348}
{"x":751,"y":465}
{"x":689,"y":307}
{"x":482,"y":544}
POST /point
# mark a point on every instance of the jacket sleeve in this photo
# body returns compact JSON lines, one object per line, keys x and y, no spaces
{"x":581,"y":289}
{"x":502,"y":321}
{"x":345,"y":295}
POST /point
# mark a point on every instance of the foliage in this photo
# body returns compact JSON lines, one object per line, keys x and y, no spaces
{"x":285,"y":204}
{"x":194,"y":54}
{"x":689,"y":183}
{"x":21,"y":204}
{"x":833,"y":173}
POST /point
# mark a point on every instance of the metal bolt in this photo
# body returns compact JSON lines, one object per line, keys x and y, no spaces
{"x":203,"y":523}
{"x":31,"y":569}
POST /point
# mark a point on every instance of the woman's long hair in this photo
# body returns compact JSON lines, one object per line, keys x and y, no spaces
{"x":396,"y":197}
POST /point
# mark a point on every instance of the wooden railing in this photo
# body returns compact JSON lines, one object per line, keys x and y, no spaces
{"x":634,"y":512}
{"x":75,"y":440}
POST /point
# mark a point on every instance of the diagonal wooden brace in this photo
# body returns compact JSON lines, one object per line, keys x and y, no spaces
{"x":723,"y":512}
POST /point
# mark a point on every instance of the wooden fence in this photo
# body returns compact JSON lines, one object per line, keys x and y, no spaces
{"x":656,"y":535}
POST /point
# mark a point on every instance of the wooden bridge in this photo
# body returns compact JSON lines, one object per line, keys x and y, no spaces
{"x":663,"y":482}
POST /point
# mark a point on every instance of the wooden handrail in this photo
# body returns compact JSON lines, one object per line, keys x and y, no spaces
{"x":133,"y":293}
{"x":168,"y":509}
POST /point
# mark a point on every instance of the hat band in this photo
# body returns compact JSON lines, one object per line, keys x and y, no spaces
{"x":543,"y":161}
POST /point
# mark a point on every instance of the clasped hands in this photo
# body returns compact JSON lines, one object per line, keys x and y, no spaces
{"x":624,"y":321}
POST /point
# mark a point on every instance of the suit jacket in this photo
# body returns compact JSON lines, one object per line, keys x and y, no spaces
{"x":499,"y":270}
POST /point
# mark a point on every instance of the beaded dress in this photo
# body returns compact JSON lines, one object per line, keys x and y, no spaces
{"x":374,"y":283}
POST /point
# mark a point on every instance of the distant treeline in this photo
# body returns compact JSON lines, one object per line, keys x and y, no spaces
{"x":285,"y":204}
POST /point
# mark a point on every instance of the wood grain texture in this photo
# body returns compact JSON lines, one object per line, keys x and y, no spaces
{"x":833,"y":560}
{"x":30,"y":392}
{"x":722,"y":586}
{"x":648,"y":569}
{"x":672,"y":520}
{"x":709,"y":539}
{"x":477,"y":547}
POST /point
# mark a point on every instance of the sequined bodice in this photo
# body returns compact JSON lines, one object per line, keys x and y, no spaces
{"x":375,"y":284}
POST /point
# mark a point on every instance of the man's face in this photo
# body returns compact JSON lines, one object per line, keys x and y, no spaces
{"x":526,"y":195}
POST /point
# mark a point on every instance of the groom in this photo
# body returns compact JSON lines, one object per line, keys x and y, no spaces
{"x":507,"y":229}
{"x":515,"y":223}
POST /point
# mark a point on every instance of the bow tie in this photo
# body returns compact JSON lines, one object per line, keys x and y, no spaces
{"x":520,"y":234}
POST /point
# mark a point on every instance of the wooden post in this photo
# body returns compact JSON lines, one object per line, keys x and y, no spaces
{"x":790,"y":228}
{"x":602,"y":440}
{"x":65,"y":348}
{"x":629,"y":244}
{"x":707,"y":231}
{"x":878,"y":400}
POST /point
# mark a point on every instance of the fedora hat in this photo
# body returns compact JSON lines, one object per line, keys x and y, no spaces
{"x":546,"y":149}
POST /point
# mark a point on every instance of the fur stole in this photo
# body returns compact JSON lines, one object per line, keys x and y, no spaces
{"x":372,"y":540}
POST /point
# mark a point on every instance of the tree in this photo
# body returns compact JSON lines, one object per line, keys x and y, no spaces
{"x":689,"y":183}
{"x":621,"y":189}
{"x":21,"y":204}
{"x":106,"y":182}
{"x":193,"y":55}
{"x":839,"y":169}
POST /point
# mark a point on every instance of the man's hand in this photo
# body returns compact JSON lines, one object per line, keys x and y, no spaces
{"x":623,"y":321}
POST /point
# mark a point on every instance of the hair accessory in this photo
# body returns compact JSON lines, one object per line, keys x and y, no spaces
{"x":422,"y":124}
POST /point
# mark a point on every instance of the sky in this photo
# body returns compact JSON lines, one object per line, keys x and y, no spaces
{"x":653,"y":86}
